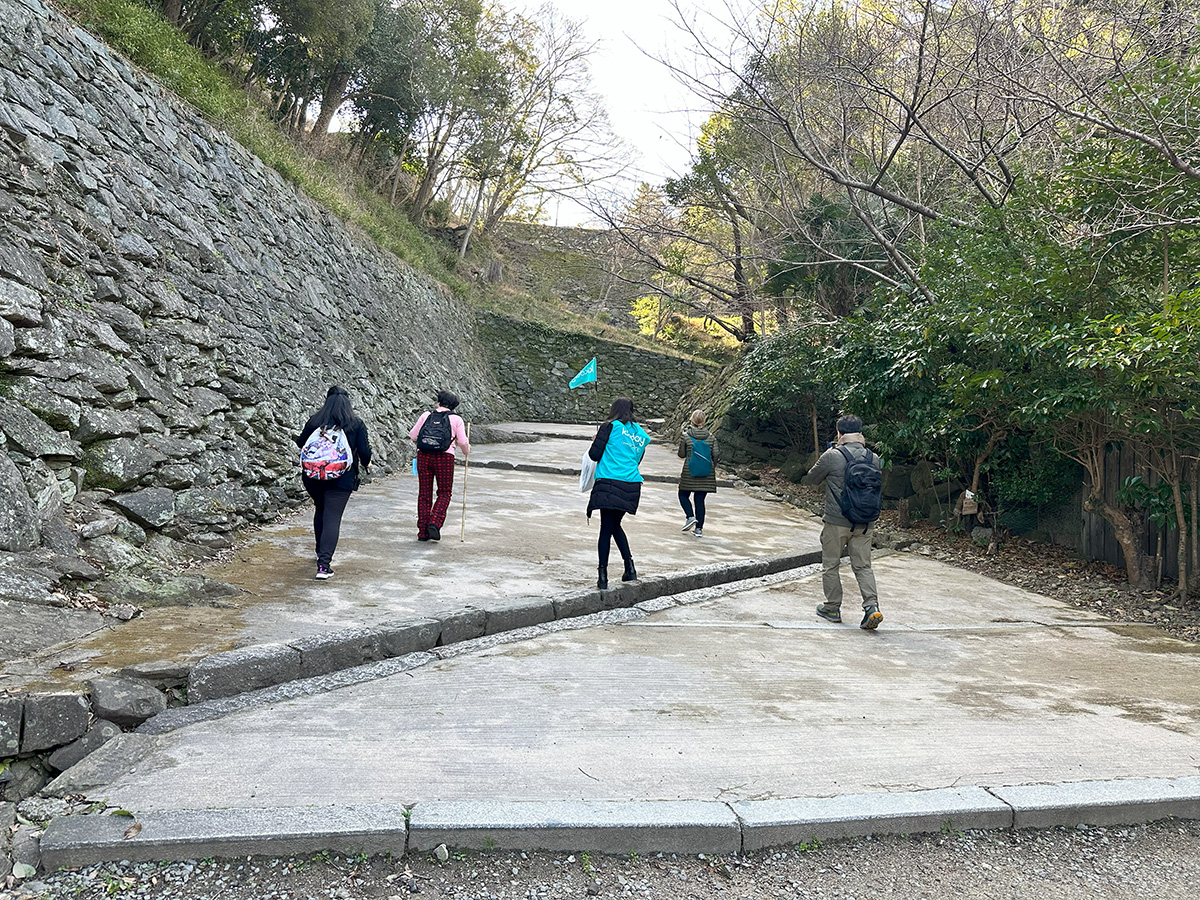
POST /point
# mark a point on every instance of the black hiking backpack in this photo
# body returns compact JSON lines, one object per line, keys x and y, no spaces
{"x":862,"y":491}
{"x":436,"y":435}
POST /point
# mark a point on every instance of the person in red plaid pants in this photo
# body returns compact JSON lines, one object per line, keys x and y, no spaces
{"x":437,"y":466}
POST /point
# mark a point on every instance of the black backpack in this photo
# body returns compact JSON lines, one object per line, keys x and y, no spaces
{"x":436,"y":435}
{"x":862,"y":492}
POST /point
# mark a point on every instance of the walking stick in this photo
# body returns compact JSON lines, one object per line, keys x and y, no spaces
{"x":462,"y":532}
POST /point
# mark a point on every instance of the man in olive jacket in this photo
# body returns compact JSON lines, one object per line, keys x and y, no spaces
{"x":838,"y":533}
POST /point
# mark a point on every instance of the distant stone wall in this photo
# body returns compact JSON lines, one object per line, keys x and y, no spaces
{"x":171,"y":310}
{"x":534,"y":365}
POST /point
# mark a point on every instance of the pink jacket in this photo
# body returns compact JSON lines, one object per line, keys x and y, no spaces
{"x":457,"y":428}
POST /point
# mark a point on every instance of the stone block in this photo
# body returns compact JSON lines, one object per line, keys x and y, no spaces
{"x":684,"y":826}
{"x":163,"y":673}
{"x":773,"y":823}
{"x":521,"y":612}
{"x":33,"y":437}
{"x":19,"y":304}
{"x":19,"y":527}
{"x":102,"y":766}
{"x":244,"y":669}
{"x":152,"y":507}
{"x":462,"y":625}
{"x":407,"y":636}
{"x":125,"y":701}
{"x":52,"y":720}
{"x":11,"y":710}
{"x":196,"y":834}
{"x":97,"y":736}
{"x":333,"y":651}
{"x":579,"y":603}
{"x":23,"y":778}
{"x":25,"y":846}
{"x":119,"y":464}
{"x":1102,"y":802}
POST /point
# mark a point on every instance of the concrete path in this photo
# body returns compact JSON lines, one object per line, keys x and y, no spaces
{"x":729,"y":719}
{"x":526,"y":535}
{"x":724,"y":719}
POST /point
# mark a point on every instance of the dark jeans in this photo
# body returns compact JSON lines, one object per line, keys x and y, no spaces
{"x":611,"y":530}
{"x":687,"y":506}
{"x":327,"y":518}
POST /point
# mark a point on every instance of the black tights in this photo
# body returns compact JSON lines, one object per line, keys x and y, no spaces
{"x":687,"y":506}
{"x":610,"y":529}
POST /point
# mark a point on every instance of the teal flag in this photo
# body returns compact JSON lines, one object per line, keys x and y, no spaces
{"x":586,"y":374}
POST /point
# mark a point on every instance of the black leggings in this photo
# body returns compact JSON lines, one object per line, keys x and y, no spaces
{"x":611,"y":530}
{"x":687,"y":506}
{"x":327,"y":519}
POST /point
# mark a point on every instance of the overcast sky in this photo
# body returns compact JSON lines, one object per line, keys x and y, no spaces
{"x":647,"y":107}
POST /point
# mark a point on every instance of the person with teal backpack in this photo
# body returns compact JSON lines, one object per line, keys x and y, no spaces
{"x":617,"y":451}
{"x":697,"y":449}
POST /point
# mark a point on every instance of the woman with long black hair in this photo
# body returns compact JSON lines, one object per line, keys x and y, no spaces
{"x":333,"y":445}
{"x":617,"y":450}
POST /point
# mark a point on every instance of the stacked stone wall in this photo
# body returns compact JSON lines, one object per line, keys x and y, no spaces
{"x":171,"y":310}
{"x":534,"y":364}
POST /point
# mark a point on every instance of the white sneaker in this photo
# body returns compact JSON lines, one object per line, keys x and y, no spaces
{"x":689,"y":524}
{"x":697,"y":533}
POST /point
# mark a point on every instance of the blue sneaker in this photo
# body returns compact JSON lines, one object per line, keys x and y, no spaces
{"x":829,"y":614}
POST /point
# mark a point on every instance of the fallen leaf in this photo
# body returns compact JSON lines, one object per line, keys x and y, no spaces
{"x":133,"y":829}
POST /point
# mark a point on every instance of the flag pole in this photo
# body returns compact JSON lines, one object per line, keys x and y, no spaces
{"x":462,"y":532}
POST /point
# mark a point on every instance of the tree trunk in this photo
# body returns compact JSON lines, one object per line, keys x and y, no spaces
{"x":173,"y":11}
{"x":462,"y":251}
{"x":1181,"y":522}
{"x":1195,"y":567}
{"x":331,"y":102}
{"x":1138,"y":569}
{"x":816,"y":433}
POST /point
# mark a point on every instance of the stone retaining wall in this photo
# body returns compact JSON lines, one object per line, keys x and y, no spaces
{"x":171,"y":310}
{"x":533,"y":365}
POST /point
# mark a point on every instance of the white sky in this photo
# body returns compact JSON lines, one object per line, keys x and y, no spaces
{"x":647,"y":107}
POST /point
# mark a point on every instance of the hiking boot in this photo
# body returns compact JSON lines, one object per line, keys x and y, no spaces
{"x":871,"y":618}
{"x":689,"y":524}
{"x":829,"y":613}
{"x":697,"y":533}
{"x":422,"y":537}
{"x":630,"y":571}
{"x":435,"y":533}
{"x":323,"y":572}
{"x":602,"y":578}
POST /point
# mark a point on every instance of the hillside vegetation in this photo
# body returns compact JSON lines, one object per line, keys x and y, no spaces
{"x":237,"y":105}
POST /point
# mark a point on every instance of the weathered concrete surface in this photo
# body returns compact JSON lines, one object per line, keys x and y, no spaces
{"x":742,"y":697}
{"x":527,"y":536}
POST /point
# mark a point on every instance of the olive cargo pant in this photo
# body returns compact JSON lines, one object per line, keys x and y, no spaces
{"x":834,"y":539}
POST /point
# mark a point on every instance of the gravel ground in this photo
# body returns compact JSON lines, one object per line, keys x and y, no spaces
{"x":1152,"y":861}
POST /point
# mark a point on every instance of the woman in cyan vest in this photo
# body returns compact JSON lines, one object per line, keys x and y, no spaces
{"x":617,"y":450}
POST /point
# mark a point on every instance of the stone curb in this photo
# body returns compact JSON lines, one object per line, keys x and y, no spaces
{"x":687,"y":826}
{"x":572,"y":471}
{"x":197,"y":834}
{"x":264,"y":665}
{"x":1101,"y":802}
{"x":771,"y":823}
{"x":666,"y":826}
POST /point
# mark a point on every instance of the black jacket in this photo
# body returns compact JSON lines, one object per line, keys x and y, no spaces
{"x":609,"y":493}
{"x":356,"y":435}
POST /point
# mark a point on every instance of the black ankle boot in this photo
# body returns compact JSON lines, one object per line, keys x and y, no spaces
{"x":630,"y":571}
{"x":602,"y":578}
